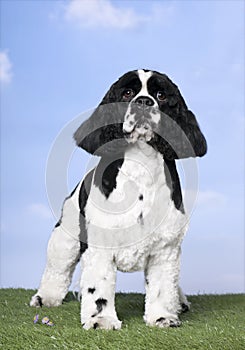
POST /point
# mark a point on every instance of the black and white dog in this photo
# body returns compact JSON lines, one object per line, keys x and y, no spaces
{"x":127,"y":214}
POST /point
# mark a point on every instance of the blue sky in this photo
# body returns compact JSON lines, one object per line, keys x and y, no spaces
{"x":58,"y":58}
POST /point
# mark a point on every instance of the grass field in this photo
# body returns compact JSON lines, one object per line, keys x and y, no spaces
{"x":214,"y":322}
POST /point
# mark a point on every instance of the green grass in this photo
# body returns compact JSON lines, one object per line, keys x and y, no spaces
{"x":214,"y":322}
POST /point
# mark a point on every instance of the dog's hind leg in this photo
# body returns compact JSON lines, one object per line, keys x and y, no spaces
{"x":62,"y":256}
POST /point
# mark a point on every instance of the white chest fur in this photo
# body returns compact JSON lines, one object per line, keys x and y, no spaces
{"x":138,"y":215}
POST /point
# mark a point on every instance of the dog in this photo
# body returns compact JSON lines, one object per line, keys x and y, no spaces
{"x":127,"y":213}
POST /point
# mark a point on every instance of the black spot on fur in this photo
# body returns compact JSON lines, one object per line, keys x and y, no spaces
{"x":58,"y":223}
{"x":100,"y":303}
{"x":39,"y":299}
{"x":141,"y":197}
{"x":106,"y":174}
{"x":91,"y":290}
{"x":96,"y":325}
{"x":172,"y":324}
{"x":141,"y":219}
{"x":184,"y":308}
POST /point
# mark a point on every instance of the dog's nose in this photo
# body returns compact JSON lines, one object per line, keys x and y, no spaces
{"x":144,"y":101}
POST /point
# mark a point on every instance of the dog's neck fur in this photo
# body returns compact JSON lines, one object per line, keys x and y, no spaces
{"x":138,"y":204}
{"x":141,"y":164}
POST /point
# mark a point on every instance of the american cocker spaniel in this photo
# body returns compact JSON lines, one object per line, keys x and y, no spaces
{"x":127,"y":213}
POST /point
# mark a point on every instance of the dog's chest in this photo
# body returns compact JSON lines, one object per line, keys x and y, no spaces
{"x":138,"y":212}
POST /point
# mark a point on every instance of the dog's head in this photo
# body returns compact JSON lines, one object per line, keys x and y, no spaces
{"x":142,"y":106}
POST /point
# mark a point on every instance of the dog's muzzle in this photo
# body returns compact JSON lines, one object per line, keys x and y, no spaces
{"x":139,"y":120}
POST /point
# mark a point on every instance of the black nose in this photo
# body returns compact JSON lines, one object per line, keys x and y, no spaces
{"x":143,"y":101}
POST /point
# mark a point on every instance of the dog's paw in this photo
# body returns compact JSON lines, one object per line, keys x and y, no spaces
{"x":38,"y":301}
{"x":163,"y":322}
{"x":100,"y":322}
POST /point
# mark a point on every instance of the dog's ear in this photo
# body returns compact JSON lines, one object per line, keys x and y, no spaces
{"x":194,"y":135}
{"x":189,"y":140}
{"x":102,"y":133}
{"x":87,"y":136}
{"x":180,"y":135}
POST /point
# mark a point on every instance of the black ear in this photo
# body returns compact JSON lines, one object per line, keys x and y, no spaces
{"x":189,"y":141}
{"x":178,"y":135}
{"x":191,"y":134}
{"x":102,"y":134}
{"x":87,"y":136}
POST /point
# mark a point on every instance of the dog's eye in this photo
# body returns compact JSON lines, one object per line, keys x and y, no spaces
{"x":161,"y":96}
{"x":128,"y":93}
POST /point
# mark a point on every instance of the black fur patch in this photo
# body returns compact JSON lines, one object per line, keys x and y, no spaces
{"x":58,"y":223}
{"x":100,"y":303}
{"x":173,"y":182}
{"x":83,"y":246}
{"x":39,"y":299}
{"x":141,"y":219}
{"x":178,"y":134}
{"x":83,"y":197}
{"x":91,"y":290}
{"x":184,"y":308}
{"x":141,"y":197}
{"x":172,"y":324}
{"x":106,"y":174}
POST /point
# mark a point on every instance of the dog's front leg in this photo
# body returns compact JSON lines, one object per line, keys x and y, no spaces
{"x":98,"y":290}
{"x":162,"y":294}
{"x":62,"y":256}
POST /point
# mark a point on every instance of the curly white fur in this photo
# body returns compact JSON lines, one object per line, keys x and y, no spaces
{"x":117,"y":239}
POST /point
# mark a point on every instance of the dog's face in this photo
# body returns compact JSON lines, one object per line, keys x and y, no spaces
{"x":143,"y":113}
{"x":142,"y":106}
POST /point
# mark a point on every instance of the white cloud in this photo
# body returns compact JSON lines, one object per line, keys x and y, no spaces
{"x":40,"y":210}
{"x":102,"y":13}
{"x":5,"y":68}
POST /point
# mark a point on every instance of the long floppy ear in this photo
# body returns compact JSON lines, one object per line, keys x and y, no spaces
{"x":189,"y":141}
{"x":193,"y":142}
{"x":87,"y":136}
{"x":178,"y":135}
{"x":102,"y":134}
